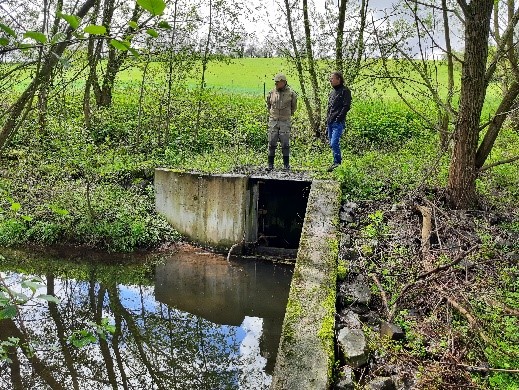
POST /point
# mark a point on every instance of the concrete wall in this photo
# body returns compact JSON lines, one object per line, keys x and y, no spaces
{"x":306,"y":351}
{"x":211,"y":210}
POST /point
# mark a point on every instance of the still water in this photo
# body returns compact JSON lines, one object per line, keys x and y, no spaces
{"x":188,"y":319}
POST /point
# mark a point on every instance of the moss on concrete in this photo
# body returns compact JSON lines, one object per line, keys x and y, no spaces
{"x":306,"y":353}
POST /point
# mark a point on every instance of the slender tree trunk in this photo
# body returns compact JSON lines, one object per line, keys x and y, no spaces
{"x":60,"y":329}
{"x":205,"y":61}
{"x":42,"y":76}
{"x":171,"y":56}
{"x":93,"y":54}
{"x":316,"y":124}
{"x":39,"y":367}
{"x":142,"y":91}
{"x":445,"y":115}
{"x":497,"y":123}
{"x":298,"y":62}
{"x":462,"y":171}
{"x":339,"y":42}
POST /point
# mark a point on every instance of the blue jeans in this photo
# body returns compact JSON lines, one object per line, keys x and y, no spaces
{"x":335,"y":131}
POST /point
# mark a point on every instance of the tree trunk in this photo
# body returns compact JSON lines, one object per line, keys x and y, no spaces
{"x":461,"y":186}
{"x":497,"y":123}
{"x":298,"y":62}
{"x":43,"y":76}
{"x":316,"y":124}
{"x":339,"y":58}
{"x":205,"y":61}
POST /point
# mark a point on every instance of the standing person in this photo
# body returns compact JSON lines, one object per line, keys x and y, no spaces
{"x":281,"y":104}
{"x":339,"y":103}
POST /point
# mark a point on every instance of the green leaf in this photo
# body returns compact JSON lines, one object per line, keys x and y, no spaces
{"x":154,"y":7}
{"x":72,"y":20}
{"x":4,"y":298}
{"x":164,"y":24}
{"x":8,"y":30}
{"x":58,"y":210}
{"x":95,"y":29}
{"x":120,"y":45}
{"x":134,"y":52}
{"x":8,"y":312}
{"x":48,"y":298}
{"x":81,"y":338}
{"x":15,"y":206}
{"x":65,"y":63}
{"x":27,"y":218}
{"x":36,"y":35}
{"x":58,"y":37}
{"x":133,"y":24}
{"x":32,"y":285}
{"x":21,"y":298}
{"x":4,"y":41}
{"x":24,"y":46}
{"x":152,"y":33}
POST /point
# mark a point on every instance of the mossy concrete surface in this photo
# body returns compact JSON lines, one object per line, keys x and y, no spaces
{"x":306,"y":352}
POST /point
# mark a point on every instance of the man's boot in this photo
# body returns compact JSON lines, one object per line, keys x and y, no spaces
{"x":286,"y":164}
{"x":271,"y":163}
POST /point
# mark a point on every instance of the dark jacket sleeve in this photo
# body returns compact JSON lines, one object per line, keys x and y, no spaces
{"x":344,"y":105}
{"x":338,"y":105}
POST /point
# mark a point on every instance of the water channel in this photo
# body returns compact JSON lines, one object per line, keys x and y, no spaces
{"x":185,"y":319}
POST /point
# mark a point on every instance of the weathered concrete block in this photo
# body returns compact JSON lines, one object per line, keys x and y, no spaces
{"x":306,"y":351}
{"x":352,"y":344}
{"x":211,"y":210}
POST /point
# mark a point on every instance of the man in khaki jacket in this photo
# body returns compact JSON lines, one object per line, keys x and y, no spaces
{"x":281,"y":103}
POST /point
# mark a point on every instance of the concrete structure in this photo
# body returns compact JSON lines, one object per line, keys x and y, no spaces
{"x":224,"y":210}
{"x":211,"y":210}
{"x":306,"y":351}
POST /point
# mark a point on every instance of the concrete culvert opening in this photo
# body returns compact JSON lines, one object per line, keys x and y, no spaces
{"x":281,"y":207}
{"x":259,"y":214}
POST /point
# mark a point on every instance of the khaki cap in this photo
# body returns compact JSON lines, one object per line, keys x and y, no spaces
{"x":279,"y":77}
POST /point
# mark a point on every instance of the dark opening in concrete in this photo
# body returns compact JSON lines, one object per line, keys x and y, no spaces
{"x":281,"y":211}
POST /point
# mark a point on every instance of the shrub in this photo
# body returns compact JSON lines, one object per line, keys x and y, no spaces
{"x":381,"y":125}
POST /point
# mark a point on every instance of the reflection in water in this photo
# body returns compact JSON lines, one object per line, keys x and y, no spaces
{"x":201,"y":323}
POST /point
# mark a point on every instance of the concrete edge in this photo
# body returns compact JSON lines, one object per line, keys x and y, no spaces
{"x":306,"y":350}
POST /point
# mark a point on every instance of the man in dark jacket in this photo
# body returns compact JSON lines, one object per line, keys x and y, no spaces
{"x":339,"y":103}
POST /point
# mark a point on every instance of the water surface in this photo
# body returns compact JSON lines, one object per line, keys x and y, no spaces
{"x":182,"y":320}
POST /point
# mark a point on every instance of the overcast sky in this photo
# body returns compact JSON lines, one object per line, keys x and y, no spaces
{"x":378,"y":8}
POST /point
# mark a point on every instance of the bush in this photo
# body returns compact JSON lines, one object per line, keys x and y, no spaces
{"x":381,"y":125}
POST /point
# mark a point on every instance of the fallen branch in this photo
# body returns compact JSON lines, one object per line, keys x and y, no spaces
{"x":424,"y":275}
{"x":507,"y":310}
{"x":382,"y":294}
{"x":465,"y":313}
{"x":486,"y":369}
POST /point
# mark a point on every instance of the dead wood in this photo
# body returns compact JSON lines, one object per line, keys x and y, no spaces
{"x":426,"y":236}
{"x":382,"y":295}
{"x":465,"y":313}
{"x":425,"y":275}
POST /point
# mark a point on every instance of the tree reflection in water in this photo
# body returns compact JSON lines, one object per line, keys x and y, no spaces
{"x":155,"y":345}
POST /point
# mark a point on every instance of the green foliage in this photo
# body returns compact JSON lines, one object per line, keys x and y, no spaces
{"x":5,"y":346}
{"x":90,"y":335}
{"x":377,"y":124}
{"x":376,"y":228}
